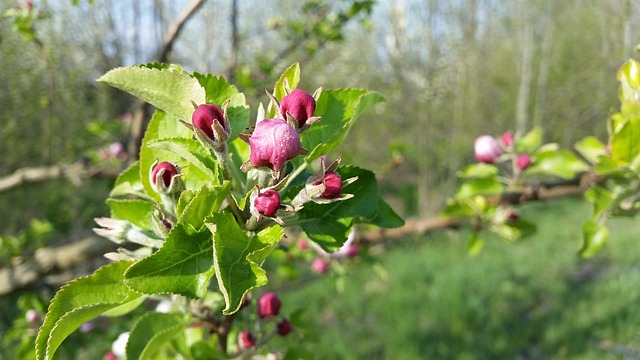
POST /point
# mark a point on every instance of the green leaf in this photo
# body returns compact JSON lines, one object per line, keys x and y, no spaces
{"x":600,"y":198}
{"x":161,"y":126}
{"x":478,"y":171}
{"x":594,"y":237}
{"x":183,"y":265}
{"x":138,"y":212}
{"x":474,"y":244}
{"x":170,"y":90}
{"x":530,"y":142}
{"x":458,"y":209}
{"x":329,"y":224}
{"x":487,"y":186}
{"x":339,"y":110}
{"x":238,"y":257}
{"x":291,"y":76}
{"x":514,"y":230}
{"x":629,"y":77}
{"x":151,"y":332}
{"x":191,"y":151}
{"x":560,"y":163}
{"x":591,"y":149}
{"x":128,"y":183}
{"x":218,"y":91}
{"x":625,"y":143}
{"x":386,"y":217}
{"x":80,"y":301}
{"x":125,"y":308}
{"x":204,"y":203}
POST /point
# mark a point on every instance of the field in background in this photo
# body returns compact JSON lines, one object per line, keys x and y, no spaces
{"x":426,"y":298}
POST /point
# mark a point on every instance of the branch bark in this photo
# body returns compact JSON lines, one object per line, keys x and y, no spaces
{"x":57,"y":259}
{"x":47,"y":260}
{"x":76,"y":173}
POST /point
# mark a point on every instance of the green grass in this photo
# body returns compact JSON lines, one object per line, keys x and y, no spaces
{"x":535,"y":299}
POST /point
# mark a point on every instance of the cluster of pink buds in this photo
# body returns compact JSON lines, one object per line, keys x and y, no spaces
{"x":489,"y":150}
{"x":269,"y":305}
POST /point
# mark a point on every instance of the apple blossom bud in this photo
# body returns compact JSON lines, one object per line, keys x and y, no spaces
{"x":273,"y":143}
{"x":319,"y":265}
{"x":110,"y":356}
{"x":86,"y":327}
{"x":284,"y":327}
{"x":268,"y":305}
{"x":487,"y":149}
{"x":32,"y":316}
{"x":247,"y":340}
{"x":507,"y":139}
{"x":167,"y":170}
{"x":523,"y":161}
{"x":299,"y":104}
{"x":267,"y":203}
{"x":332,"y":183}
{"x":302,"y":244}
{"x":204,"y":117}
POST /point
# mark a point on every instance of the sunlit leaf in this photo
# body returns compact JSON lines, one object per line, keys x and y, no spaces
{"x":80,"y":301}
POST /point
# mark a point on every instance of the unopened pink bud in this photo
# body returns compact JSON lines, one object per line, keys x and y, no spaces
{"x":267,"y":203}
{"x":86,"y":327}
{"x":523,"y":161}
{"x":273,"y":143}
{"x":513,"y":216}
{"x":319,"y":265}
{"x":487,"y":149}
{"x":169,"y":171}
{"x":204,"y":117}
{"x":507,"y":139}
{"x":284,"y":327}
{"x":299,"y":104}
{"x":247,"y":340}
{"x":110,"y":356}
{"x":32,"y":316}
{"x":302,"y":245}
{"x":333,"y":185}
{"x":269,"y":305}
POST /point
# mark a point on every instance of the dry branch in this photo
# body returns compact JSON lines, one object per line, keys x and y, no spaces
{"x":76,"y":173}
{"x":48,"y":260}
{"x":53,"y":259}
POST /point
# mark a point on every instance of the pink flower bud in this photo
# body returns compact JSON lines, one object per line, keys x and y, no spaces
{"x":319,"y":265}
{"x":32,"y":316}
{"x":204,"y":117}
{"x":168,"y":172}
{"x":523,"y":161}
{"x":267,"y":203}
{"x":273,"y":143}
{"x":487,"y":149}
{"x":513,"y":216}
{"x":507,"y":139}
{"x":333,"y":185}
{"x":110,"y":356}
{"x":299,"y":104}
{"x":302,"y":245}
{"x":284,"y":327}
{"x":86,"y":327}
{"x":268,"y":305}
{"x":247,"y":340}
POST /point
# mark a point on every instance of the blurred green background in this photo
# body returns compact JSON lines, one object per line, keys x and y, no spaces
{"x":449,"y":70}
